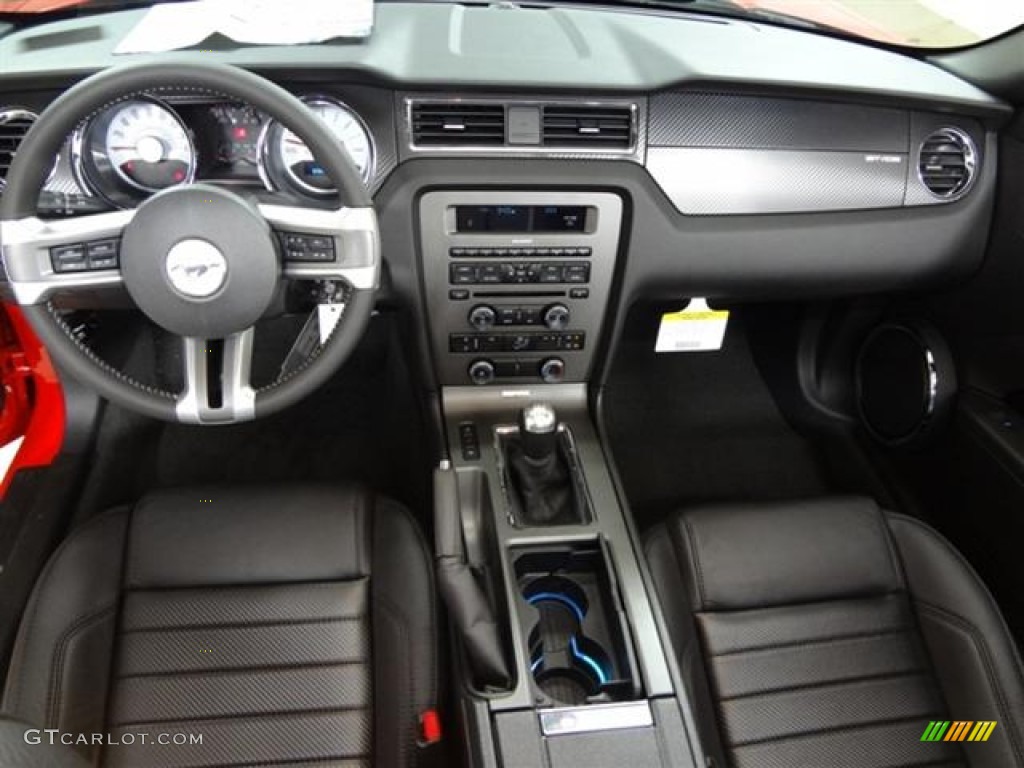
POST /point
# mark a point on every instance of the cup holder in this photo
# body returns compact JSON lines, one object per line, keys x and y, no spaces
{"x":567,"y":665}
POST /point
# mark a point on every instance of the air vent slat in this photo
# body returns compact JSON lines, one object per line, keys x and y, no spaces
{"x":14,"y":124}
{"x":577,"y":127}
{"x":947,"y":163}
{"x":457,"y":125}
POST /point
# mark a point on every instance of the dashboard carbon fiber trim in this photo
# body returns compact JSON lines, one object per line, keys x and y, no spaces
{"x":700,"y":119}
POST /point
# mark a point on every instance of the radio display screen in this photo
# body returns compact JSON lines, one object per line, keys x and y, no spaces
{"x":520,"y":218}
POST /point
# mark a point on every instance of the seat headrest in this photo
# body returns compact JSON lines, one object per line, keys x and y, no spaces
{"x":762,"y":555}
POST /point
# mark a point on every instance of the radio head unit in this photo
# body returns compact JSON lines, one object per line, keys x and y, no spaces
{"x":517,"y":282}
{"x":524,"y":218}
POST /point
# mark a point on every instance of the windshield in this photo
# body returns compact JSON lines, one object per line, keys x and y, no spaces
{"x":912,"y":23}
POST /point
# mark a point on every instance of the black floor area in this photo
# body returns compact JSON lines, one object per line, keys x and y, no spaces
{"x":364,"y":426}
{"x":703,"y":426}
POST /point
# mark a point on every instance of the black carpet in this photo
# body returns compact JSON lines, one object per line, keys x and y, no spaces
{"x":700,"y":426}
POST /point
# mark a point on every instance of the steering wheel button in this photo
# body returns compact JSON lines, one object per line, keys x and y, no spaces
{"x":103,"y":262}
{"x":102,"y":254}
{"x":101,"y":248}
{"x":320,"y":243}
{"x":69,"y":258}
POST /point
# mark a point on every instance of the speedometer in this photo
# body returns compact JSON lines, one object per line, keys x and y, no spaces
{"x":291,"y":154}
{"x":148,"y":147}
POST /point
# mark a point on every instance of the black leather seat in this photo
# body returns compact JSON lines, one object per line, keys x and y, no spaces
{"x":285,"y":626}
{"x":829,"y":633}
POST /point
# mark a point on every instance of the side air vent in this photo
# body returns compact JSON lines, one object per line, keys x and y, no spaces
{"x":14,"y":124}
{"x":587,"y":127}
{"x":948,"y":162}
{"x":458,"y":124}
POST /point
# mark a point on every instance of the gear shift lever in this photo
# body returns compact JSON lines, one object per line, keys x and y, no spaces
{"x":539,"y":471}
{"x":538,"y":431}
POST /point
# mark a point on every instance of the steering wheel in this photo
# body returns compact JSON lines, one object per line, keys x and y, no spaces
{"x":198,"y":260}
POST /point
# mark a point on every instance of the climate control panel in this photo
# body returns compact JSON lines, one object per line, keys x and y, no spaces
{"x":555,"y":317}
{"x":517,"y":282}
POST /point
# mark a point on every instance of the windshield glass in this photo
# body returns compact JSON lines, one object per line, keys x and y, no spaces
{"x":912,"y":23}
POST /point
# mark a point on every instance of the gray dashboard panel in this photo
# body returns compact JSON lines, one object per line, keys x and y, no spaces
{"x":711,"y":181}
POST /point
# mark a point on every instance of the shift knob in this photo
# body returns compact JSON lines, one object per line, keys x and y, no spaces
{"x":538,"y":430}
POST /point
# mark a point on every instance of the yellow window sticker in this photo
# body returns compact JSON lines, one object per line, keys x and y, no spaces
{"x":698,"y":328}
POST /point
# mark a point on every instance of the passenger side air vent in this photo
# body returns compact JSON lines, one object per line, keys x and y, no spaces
{"x":14,"y":124}
{"x":948,"y":162}
{"x":588,"y":127}
{"x":461,"y":124}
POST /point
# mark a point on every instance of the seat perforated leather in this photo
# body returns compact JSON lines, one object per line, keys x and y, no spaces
{"x":829,"y":633}
{"x":285,"y":626}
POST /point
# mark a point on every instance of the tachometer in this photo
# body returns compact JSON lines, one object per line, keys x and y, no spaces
{"x":148,"y":147}
{"x":285,"y":151}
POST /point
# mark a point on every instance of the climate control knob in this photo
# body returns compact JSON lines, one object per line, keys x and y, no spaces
{"x":483,"y":317}
{"x":552,"y":370}
{"x":481,"y":372}
{"x":556,"y":317}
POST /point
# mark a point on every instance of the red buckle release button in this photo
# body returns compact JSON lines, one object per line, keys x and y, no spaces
{"x":430,"y":727}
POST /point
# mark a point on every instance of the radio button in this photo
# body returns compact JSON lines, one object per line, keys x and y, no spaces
{"x":552,"y":371}
{"x":462,"y":343}
{"x":577,"y":273}
{"x":490,"y":273}
{"x":462,"y":274}
{"x":579,"y":293}
{"x":572,"y":342}
{"x":483,"y":317}
{"x":551,"y":273}
{"x":529,"y":315}
{"x":556,"y":317}
{"x":481,"y":372}
{"x":509,"y":316}
{"x":520,"y":343}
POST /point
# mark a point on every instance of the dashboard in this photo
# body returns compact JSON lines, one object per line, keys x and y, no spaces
{"x":674,"y":155}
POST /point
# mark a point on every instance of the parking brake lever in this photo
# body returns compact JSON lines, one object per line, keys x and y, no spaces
{"x":466,"y":601}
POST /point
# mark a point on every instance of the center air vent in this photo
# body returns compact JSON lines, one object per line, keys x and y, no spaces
{"x":587,"y":127}
{"x":14,"y":124}
{"x":458,"y":124}
{"x":948,"y":162}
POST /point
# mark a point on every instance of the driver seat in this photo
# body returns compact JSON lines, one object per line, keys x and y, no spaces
{"x":287,"y":626}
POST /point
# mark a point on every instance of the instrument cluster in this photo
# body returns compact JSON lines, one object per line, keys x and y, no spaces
{"x":139,"y":147}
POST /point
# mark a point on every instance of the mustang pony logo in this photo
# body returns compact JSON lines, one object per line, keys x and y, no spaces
{"x":196,"y":268}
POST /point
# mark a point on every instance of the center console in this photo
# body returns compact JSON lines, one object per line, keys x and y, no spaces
{"x":517,"y":283}
{"x":558,"y":649}
{"x":556,"y":582}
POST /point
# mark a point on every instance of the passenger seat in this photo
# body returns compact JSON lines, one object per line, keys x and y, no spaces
{"x":831,"y":633}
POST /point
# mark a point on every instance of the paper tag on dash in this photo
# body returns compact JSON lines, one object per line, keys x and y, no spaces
{"x":698,"y":328}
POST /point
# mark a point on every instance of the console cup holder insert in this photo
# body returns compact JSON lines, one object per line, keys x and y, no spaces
{"x":567,"y":665}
